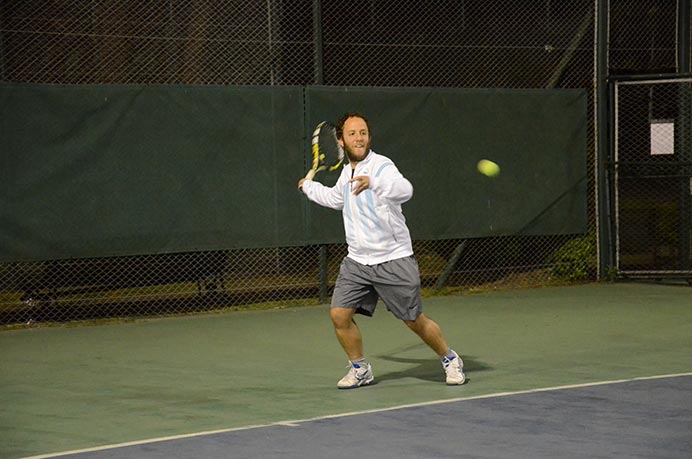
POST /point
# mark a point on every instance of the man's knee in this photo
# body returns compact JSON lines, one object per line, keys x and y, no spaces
{"x":342,"y":317}
{"x":417,"y":324}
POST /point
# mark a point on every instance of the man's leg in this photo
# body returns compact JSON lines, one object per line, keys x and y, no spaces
{"x":360,"y":373}
{"x":347,"y":332}
{"x":430,"y":333}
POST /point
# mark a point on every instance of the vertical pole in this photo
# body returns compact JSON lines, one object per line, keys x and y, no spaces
{"x":613,"y":184}
{"x":324,"y":264}
{"x":173,"y":51}
{"x":270,"y":45}
{"x":318,"y":78}
{"x":683,"y":38}
{"x":601,"y":133}
{"x":318,"y":41}
{"x":3,"y":77}
{"x":683,"y":142}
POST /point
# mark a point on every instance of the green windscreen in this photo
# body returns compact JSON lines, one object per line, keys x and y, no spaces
{"x":116,"y":170}
{"x":436,"y":137}
{"x":95,"y":171}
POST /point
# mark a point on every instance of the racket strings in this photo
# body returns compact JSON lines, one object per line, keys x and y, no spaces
{"x":326,"y":151}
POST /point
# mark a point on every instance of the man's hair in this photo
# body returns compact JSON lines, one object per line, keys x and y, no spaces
{"x":342,"y":119}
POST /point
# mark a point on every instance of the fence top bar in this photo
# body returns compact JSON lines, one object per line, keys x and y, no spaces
{"x":650,"y":78}
{"x":649,"y":163}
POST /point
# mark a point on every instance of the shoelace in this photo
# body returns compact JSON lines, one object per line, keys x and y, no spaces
{"x":354,"y":371}
{"x":447,"y":363}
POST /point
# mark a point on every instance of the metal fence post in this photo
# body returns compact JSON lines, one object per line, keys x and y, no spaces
{"x":324,"y":268}
{"x":318,"y":41}
{"x":601,"y":133}
{"x":684,"y":142}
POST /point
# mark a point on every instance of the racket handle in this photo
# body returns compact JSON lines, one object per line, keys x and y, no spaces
{"x":311,"y":174}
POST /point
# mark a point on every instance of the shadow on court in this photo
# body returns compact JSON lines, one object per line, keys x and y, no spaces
{"x":427,"y":369}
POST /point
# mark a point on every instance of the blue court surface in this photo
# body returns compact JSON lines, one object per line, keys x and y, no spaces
{"x":644,"y":418}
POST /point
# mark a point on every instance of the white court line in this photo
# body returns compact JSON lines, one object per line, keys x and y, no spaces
{"x":297,"y":422}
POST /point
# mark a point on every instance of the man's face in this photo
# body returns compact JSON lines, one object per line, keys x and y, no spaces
{"x":355,"y":139}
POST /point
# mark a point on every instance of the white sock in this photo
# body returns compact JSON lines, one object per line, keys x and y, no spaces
{"x":449,"y":354}
{"x":361,"y":362}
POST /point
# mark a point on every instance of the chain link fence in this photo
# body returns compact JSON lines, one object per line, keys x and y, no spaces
{"x":642,"y":37}
{"x":651,"y":174}
{"x":455,"y":44}
{"x":653,"y":178}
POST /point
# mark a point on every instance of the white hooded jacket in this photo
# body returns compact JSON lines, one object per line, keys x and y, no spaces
{"x":374,"y":224}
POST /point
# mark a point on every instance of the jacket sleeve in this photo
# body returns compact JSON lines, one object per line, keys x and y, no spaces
{"x":391,"y":185}
{"x":325,"y":196}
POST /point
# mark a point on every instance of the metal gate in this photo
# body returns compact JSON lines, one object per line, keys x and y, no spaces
{"x":652,"y":178}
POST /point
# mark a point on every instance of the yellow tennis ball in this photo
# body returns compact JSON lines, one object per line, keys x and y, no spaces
{"x":488,"y":168}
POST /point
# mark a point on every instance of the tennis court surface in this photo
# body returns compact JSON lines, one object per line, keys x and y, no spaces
{"x":599,"y":370}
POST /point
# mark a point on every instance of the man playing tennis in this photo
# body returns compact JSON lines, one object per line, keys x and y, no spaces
{"x":380,"y":261}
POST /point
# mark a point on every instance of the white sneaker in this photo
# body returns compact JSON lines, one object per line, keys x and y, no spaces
{"x":358,"y":375}
{"x":454,"y":367}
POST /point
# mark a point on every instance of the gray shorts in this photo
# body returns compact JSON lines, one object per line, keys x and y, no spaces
{"x":396,"y":282}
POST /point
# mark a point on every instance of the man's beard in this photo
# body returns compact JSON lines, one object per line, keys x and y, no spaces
{"x":352,"y":156}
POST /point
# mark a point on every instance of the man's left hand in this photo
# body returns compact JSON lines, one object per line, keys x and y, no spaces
{"x":362,"y":184}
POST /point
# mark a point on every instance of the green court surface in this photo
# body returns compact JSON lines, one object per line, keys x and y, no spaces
{"x":73,"y":387}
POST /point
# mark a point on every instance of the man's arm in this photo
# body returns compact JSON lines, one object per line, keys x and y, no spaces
{"x":390,"y":185}
{"x":328,"y":197}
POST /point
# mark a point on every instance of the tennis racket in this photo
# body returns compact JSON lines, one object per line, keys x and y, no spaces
{"x":327,"y":154}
